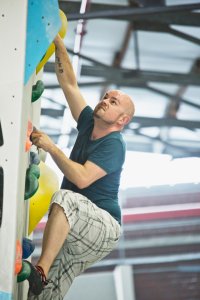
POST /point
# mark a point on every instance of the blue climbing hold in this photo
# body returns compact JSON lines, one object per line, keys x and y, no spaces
{"x":27,"y":248}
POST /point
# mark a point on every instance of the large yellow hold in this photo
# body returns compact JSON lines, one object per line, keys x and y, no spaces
{"x":39,"y":203}
{"x":51,"y":48}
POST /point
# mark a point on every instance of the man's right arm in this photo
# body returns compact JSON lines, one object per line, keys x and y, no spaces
{"x":67,"y":79}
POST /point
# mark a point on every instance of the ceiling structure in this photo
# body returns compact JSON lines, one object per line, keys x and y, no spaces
{"x":149,"y":49}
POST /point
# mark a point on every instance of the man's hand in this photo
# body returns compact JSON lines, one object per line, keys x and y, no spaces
{"x":42,"y":140}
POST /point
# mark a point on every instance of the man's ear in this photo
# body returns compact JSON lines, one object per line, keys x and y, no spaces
{"x":127,"y":119}
{"x":124,"y":120}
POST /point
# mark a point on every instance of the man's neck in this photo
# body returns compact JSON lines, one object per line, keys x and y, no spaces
{"x":101,"y":131}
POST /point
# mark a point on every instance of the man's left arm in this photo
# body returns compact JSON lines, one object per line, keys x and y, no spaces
{"x":80,"y":175}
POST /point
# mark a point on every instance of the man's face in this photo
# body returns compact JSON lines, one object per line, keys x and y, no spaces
{"x":111,"y":107}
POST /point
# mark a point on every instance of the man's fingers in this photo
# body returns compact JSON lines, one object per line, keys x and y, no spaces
{"x":57,"y":38}
{"x":35,"y":129}
{"x":35,"y":137}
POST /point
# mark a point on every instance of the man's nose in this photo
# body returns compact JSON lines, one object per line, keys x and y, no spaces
{"x":105,"y":101}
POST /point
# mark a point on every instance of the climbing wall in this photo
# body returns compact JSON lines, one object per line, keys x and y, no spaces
{"x":27,"y":28}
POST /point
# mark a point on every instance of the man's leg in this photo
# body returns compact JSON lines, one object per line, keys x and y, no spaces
{"x":93,"y":234}
{"x":55,"y":233}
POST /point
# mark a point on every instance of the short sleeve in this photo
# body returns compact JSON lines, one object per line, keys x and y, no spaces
{"x":109,"y":155}
{"x":85,"y":118}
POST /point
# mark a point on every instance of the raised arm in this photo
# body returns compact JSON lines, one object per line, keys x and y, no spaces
{"x":67,"y":79}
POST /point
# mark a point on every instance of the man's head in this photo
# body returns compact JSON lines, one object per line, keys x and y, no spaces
{"x":116,"y":108}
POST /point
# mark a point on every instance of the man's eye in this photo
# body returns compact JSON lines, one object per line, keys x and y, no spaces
{"x":113,"y":102}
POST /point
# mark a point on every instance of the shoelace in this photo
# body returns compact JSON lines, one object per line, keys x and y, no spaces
{"x":43,"y":276}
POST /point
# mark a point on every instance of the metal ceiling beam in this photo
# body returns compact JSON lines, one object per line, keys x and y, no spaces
{"x":165,"y":224}
{"x":90,"y":59}
{"x":175,"y":97}
{"x":152,"y":89}
{"x":143,"y":121}
{"x":165,"y":122}
{"x":171,"y":258}
{"x":81,"y":84}
{"x":159,"y":27}
{"x":130,"y":78}
{"x":126,"y":77}
{"x":162,"y":14}
{"x":191,"y":151}
{"x":51,"y":100}
{"x":53,"y":113}
{"x":50,"y":66}
{"x":160,"y":241}
{"x":183,"y":35}
{"x":71,"y":7}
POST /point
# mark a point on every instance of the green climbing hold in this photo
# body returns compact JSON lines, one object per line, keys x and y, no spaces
{"x":37,"y":90}
{"x":24,"y":273}
{"x":34,"y":169}
{"x":31,"y":184}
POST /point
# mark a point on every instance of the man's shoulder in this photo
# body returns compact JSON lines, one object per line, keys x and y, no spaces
{"x":86,"y":117}
{"x":87,"y":111}
{"x":115,"y":137}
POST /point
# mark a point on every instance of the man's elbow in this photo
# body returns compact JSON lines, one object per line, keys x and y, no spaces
{"x":82,"y":183}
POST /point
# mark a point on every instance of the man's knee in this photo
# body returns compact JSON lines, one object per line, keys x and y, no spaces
{"x":68,"y":202}
{"x":56,"y":209}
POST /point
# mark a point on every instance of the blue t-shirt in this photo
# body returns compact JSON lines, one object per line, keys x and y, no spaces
{"x":108,"y":153}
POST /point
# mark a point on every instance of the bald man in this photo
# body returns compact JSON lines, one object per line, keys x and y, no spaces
{"x":84,"y":223}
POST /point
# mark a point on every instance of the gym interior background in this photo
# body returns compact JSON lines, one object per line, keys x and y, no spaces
{"x":151,"y":50}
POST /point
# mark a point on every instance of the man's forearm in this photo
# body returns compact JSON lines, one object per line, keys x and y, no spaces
{"x":67,"y":79}
{"x":63,"y":66}
{"x":73,"y":171}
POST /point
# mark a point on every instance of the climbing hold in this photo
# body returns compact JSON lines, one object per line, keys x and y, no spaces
{"x":31,"y":184}
{"x":35,"y":170}
{"x":51,"y":48}
{"x":63,"y":29}
{"x":39,"y":203}
{"x":34,"y":158}
{"x":28,"y":134}
{"x":25,"y":272}
{"x":18,"y":257}
{"x":37,"y":90}
{"x":27,"y":248}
